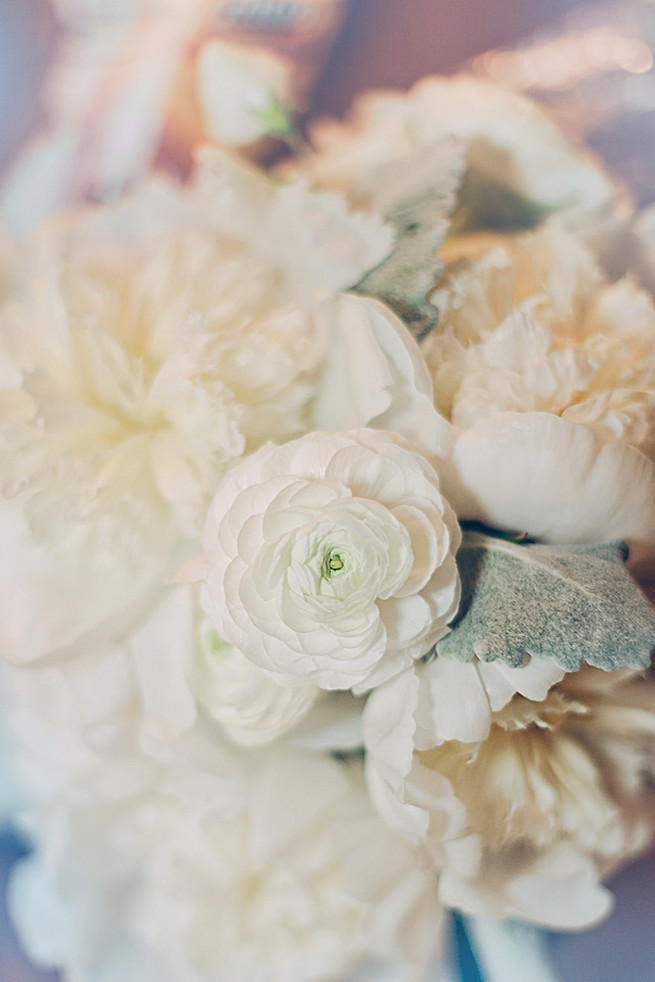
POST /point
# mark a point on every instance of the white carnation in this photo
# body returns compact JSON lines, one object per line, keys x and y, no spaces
{"x":331,"y":559}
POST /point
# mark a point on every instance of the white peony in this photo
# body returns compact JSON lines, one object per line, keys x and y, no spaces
{"x":151,"y":345}
{"x":547,"y":373}
{"x":220,"y":867}
{"x":331,"y":559}
{"x":523,"y":803}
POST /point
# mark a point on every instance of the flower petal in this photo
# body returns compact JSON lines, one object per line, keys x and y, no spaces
{"x":556,"y":480}
{"x":394,"y":392}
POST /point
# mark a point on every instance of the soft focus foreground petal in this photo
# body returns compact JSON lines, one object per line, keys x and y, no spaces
{"x":254,"y":78}
{"x":311,"y":236}
{"x":373,"y":374}
{"x":42,"y":923}
{"x":555,"y":480}
{"x":164,"y":650}
{"x":281,"y":807}
{"x":559,"y":890}
{"x":56,"y":603}
{"x":381,"y":868}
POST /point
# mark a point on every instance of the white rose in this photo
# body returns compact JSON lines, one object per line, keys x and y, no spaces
{"x":332,"y":558}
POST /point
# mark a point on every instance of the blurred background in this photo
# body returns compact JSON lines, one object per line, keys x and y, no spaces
{"x":590,"y":64}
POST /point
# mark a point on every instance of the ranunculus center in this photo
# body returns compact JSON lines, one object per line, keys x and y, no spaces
{"x":334,"y":563}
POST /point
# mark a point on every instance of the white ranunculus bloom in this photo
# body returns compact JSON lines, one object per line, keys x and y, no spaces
{"x":512,"y":148}
{"x":148,"y":347}
{"x":547,"y":373}
{"x":248,"y":702}
{"x":522,"y":802}
{"x":331,"y":559}
{"x":220,"y":867}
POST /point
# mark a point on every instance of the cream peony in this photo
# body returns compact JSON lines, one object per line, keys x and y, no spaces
{"x":150,"y":346}
{"x":523,"y":809}
{"x":219,"y":867}
{"x":331,"y":559}
{"x":531,"y":326}
{"x":547,"y":373}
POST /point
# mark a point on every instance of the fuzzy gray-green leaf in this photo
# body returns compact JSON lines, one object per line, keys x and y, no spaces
{"x":573,"y":604}
{"x":414,"y":196}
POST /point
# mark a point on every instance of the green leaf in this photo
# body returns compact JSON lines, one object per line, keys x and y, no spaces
{"x":485,"y":203}
{"x":414,"y":196}
{"x":573,"y":604}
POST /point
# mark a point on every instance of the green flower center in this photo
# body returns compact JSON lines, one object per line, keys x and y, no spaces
{"x":333,"y":564}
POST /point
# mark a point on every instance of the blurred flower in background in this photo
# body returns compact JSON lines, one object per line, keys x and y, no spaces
{"x":130,"y":87}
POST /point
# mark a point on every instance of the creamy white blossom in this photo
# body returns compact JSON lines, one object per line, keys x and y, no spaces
{"x":547,"y":372}
{"x":523,"y":803}
{"x":511,"y":145}
{"x":243,"y":92}
{"x":151,"y":345}
{"x":331,"y":559}
{"x":532,"y":326}
{"x":248,"y":702}
{"x":216,"y":867}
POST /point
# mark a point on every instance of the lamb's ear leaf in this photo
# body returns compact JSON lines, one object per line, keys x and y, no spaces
{"x":571,"y":603}
{"x":414,"y":196}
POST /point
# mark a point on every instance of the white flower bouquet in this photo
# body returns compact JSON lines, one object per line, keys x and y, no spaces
{"x":329,"y":500}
